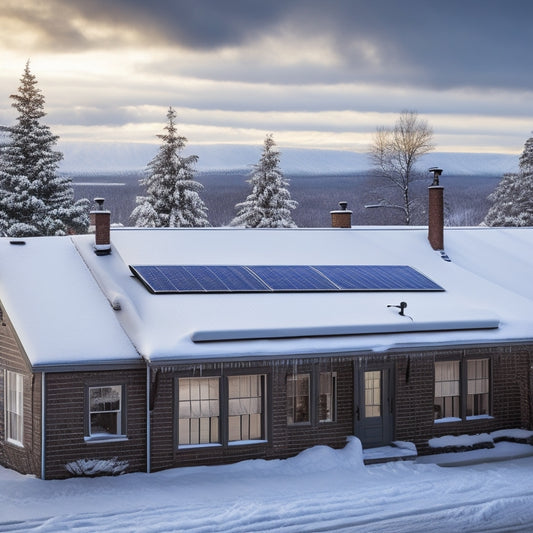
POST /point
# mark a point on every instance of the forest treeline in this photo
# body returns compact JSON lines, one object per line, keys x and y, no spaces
{"x":36,"y":199}
{"x":466,"y":197}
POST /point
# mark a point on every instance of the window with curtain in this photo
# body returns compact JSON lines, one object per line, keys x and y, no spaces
{"x":245,"y":408}
{"x":199,"y":411}
{"x":14,"y":407}
{"x":447,"y":387}
{"x":298,"y":398}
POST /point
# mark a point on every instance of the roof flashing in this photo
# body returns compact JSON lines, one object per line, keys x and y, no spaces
{"x":345,"y":329}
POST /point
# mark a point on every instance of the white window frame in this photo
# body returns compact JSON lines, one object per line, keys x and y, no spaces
{"x":331,"y":397}
{"x":119,"y":422}
{"x":448,"y":387}
{"x":466,"y":386}
{"x":14,"y":408}
{"x":245,"y":405}
{"x":200,"y":413}
{"x":293,"y":400}
{"x":477,"y":385}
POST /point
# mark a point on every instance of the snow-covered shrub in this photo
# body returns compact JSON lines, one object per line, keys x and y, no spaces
{"x":97,"y":467}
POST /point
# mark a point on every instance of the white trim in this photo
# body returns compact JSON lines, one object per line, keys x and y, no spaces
{"x":107,"y":438}
{"x":118,"y":412}
{"x":480,"y":417}
{"x":19,"y":390}
{"x":246,"y":442}
{"x":206,"y":445}
{"x":448,"y":419}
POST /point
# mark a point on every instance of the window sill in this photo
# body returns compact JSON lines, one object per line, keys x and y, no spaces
{"x":451,"y":420}
{"x":246,"y":442}
{"x":448,"y":420}
{"x":15,"y":443}
{"x":195,"y":446}
{"x":106,"y":439}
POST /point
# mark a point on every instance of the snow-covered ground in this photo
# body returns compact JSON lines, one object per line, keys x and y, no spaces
{"x":319,"y":490}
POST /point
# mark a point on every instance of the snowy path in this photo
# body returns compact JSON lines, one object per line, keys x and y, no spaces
{"x":321,"y":490}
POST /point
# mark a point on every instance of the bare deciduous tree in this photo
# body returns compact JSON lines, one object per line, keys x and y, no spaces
{"x":394,"y":153}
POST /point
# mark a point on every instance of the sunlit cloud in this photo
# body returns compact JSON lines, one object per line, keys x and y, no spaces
{"x":317,"y":75}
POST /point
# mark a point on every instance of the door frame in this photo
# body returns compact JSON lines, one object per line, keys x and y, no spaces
{"x":387,"y":402}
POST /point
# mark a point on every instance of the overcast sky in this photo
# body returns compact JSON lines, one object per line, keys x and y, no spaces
{"x":316,"y":73}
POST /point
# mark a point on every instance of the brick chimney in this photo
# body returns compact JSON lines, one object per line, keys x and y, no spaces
{"x":101,"y":220}
{"x":341,"y":218}
{"x":436,"y":211}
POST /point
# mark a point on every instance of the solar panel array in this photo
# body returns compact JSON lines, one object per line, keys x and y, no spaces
{"x":164,"y":279}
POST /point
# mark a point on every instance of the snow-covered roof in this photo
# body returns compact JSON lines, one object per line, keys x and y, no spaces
{"x":488,"y":294}
{"x":57,"y":310}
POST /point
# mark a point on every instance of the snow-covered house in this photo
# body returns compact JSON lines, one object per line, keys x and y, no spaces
{"x":175,"y":347}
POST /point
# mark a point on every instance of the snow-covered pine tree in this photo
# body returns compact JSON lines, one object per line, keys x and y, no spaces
{"x":512,"y":200}
{"x":269,"y":205}
{"x":172,"y":198}
{"x":34,"y":199}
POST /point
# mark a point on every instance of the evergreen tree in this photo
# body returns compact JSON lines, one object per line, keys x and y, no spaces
{"x":269,"y":205}
{"x":512,"y":200}
{"x":34,"y":199}
{"x":172,"y":198}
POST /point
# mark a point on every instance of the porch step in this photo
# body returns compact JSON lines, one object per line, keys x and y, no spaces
{"x":397,"y":451}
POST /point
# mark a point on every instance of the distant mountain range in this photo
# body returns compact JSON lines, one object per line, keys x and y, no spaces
{"x":118,"y":158}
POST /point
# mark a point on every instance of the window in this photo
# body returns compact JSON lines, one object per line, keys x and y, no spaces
{"x":199,"y":411}
{"x":477,"y":399}
{"x":105,"y":411}
{"x":447,"y":389}
{"x":373,"y":393}
{"x":298,"y":396}
{"x":326,"y":396}
{"x":14,"y":408}
{"x":462,"y":389}
{"x":245,"y":408}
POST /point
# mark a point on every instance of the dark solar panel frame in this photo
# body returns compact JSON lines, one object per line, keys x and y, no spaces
{"x":161,"y":279}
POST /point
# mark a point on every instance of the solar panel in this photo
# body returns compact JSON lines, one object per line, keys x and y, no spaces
{"x":377,"y":278}
{"x":198,"y":278}
{"x":182,"y":280}
{"x":281,"y":278}
{"x":229,"y":279}
{"x":293,"y":278}
{"x":240,"y":278}
{"x":153,"y":279}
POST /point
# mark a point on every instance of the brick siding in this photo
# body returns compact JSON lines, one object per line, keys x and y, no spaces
{"x":413,"y":406}
{"x":66,"y":422}
{"x":26,"y":459}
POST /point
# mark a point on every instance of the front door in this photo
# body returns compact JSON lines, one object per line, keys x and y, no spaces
{"x":374,"y":408}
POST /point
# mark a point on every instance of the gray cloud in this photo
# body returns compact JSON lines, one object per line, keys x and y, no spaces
{"x":452,"y":43}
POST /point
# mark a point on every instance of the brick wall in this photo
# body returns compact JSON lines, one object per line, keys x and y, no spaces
{"x":282,"y":440}
{"x":510,"y":394}
{"x":66,"y":422}
{"x":413,"y":406}
{"x":26,"y":459}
